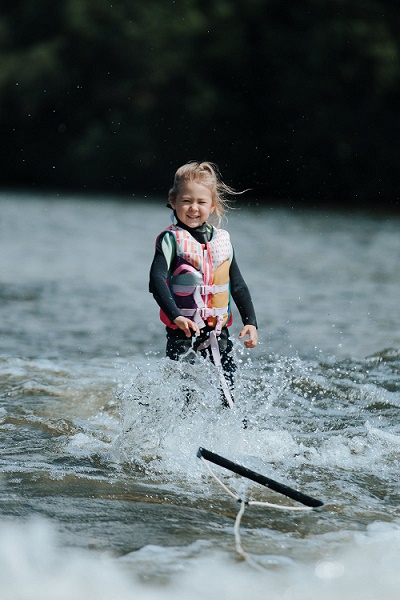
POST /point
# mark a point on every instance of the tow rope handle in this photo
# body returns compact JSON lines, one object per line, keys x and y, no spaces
{"x":258,"y":478}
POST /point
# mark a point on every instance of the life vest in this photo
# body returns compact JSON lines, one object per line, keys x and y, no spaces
{"x":199,"y":282}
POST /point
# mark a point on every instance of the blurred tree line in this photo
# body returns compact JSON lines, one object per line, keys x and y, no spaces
{"x":297,"y":100}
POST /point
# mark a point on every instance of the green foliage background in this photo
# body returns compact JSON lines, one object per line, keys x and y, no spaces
{"x":297,"y":100}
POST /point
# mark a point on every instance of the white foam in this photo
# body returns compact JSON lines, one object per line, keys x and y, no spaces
{"x":33,"y":565}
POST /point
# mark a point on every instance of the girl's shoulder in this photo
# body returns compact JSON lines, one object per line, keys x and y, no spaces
{"x":166,"y":238}
{"x":167,"y":232}
{"x":216,"y":232}
{"x":166,"y":245}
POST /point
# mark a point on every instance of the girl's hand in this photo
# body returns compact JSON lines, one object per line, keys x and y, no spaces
{"x":251,"y":331}
{"x":187,"y":326}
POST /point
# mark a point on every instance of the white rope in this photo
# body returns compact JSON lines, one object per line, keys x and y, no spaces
{"x":236,"y":527}
{"x":236,"y":531}
{"x":238,"y":544}
{"x":212,"y":343}
{"x":279,"y":506}
{"x":228,"y":491}
{"x":253,"y":502}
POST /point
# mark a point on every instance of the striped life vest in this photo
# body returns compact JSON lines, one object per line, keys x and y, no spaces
{"x":199,"y":282}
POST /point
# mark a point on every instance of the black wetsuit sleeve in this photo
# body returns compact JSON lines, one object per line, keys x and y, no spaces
{"x":158,"y":283}
{"x":241,"y":295}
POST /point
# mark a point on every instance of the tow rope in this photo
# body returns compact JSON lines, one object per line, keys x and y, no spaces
{"x":212,"y":342}
{"x":308,"y":502}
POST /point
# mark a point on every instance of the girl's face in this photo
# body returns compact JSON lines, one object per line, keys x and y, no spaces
{"x":193,"y":204}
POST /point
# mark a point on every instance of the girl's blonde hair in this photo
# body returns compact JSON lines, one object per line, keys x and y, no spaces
{"x":208,"y":175}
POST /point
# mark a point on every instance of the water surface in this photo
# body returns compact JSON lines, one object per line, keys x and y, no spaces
{"x":102,"y":492}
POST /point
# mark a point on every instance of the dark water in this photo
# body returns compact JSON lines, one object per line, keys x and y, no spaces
{"x":102,"y":494}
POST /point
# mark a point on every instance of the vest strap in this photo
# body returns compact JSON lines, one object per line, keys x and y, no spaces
{"x":204,"y":290}
{"x":203,"y":313}
{"x":199,"y":292}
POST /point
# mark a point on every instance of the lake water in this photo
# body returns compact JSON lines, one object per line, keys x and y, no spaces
{"x":102,"y":495}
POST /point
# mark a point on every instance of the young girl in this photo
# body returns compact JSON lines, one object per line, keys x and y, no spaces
{"x":195,"y":274}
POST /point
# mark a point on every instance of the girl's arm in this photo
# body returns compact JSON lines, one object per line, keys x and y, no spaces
{"x":242,"y":298}
{"x":159,"y":288}
{"x":162,"y":295}
{"x":251,"y":332}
